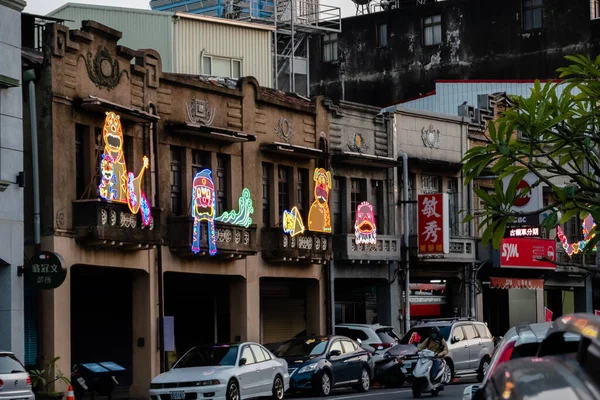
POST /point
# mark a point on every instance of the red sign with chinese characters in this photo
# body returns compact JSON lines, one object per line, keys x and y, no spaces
{"x":526,"y":253}
{"x":433,"y":237}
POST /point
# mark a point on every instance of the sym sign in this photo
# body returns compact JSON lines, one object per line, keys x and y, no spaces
{"x":530,"y":202}
{"x":526,"y":253}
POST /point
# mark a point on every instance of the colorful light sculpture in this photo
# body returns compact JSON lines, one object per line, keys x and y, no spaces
{"x":292,"y":222}
{"x":319,"y":217}
{"x":117,"y":184}
{"x":365,"y":230}
{"x":577,"y":247}
{"x":204,"y":208}
{"x":243,"y":216}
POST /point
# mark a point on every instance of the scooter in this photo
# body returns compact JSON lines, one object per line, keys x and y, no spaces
{"x":422,"y":380}
{"x":388,"y":364}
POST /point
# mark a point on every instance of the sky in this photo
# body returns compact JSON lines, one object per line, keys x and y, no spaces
{"x":42,"y":7}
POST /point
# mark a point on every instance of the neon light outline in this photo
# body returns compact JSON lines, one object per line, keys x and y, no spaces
{"x":365,"y":229}
{"x":290,"y":221}
{"x":319,"y":217}
{"x":117,"y":184}
{"x":574,"y":248}
{"x":243,"y":216}
{"x":203,"y":187}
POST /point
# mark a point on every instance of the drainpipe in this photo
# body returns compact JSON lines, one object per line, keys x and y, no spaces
{"x":29,"y":76}
{"x":159,"y":257}
{"x":406,"y":251}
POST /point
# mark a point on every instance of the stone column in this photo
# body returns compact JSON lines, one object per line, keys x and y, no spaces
{"x":245,"y":308}
{"x":315,"y":306}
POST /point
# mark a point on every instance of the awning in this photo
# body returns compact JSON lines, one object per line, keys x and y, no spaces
{"x":516,"y":283}
{"x":210,"y":132}
{"x":367,"y":160}
{"x":97,"y":104}
{"x":291,"y":150}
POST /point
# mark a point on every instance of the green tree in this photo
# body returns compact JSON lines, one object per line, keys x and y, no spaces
{"x":558,"y":140}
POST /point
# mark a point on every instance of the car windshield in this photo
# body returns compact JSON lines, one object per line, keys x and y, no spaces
{"x":387,"y":335}
{"x":303,"y":347}
{"x":418,"y":335}
{"x":208,"y":356}
{"x":10,"y":365}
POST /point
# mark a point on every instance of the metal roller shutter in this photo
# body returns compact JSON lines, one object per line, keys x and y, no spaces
{"x":282,"y":318}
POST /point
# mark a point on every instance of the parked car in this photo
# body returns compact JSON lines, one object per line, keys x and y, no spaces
{"x":15,"y":382}
{"x":321,"y":363}
{"x":223,"y":372}
{"x":373,"y":335}
{"x":470,"y":345}
{"x":519,"y":341}
{"x":564,"y":367}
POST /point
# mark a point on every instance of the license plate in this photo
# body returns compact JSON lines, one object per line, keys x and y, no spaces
{"x":179,"y":395}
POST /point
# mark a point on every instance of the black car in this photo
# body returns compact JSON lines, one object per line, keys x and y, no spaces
{"x":321,"y":363}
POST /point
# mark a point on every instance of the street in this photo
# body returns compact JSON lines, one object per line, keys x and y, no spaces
{"x":453,"y":392}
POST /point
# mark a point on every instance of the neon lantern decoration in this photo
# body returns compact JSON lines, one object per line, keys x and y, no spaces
{"x":204,"y":208}
{"x":577,"y":247}
{"x":243,"y":216}
{"x":292,"y":222}
{"x":117,"y":183}
{"x":319,"y":218}
{"x":365,"y":230}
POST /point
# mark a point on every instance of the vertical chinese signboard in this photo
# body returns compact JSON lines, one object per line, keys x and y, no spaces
{"x":433,"y":234}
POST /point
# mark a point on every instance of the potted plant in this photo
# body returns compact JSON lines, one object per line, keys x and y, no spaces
{"x":41,"y":379}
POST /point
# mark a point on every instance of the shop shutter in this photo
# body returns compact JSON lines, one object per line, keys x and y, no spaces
{"x":30,"y":326}
{"x":282,"y":318}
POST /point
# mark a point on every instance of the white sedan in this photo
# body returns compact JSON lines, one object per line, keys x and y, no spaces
{"x":223,"y":372}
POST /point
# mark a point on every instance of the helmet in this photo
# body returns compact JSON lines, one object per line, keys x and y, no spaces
{"x":434,"y":333}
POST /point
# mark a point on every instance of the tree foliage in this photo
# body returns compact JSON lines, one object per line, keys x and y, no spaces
{"x":559,"y":142}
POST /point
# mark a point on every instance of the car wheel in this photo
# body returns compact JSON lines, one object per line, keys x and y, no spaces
{"x":416,"y":391}
{"x":364,"y":382}
{"x":484,"y":365}
{"x":324,"y":385}
{"x":435,"y":392}
{"x":233,"y":392}
{"x":448,"y":374}
{"x":278,"y":388}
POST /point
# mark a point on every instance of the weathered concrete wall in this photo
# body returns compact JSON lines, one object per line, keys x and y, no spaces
{"x":481,"y":39}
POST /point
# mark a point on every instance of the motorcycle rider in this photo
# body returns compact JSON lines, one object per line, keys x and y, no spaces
{"x":436,"y":343}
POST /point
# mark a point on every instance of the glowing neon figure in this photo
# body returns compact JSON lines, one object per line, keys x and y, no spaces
{"x":319,"y":218}
{"x":365,"y":230}
{"x":243,"y":216}
{"x":204,"y":208}
{"x":577,"y":247}
{"x":292,"y":222}
{"x":118,"y":184}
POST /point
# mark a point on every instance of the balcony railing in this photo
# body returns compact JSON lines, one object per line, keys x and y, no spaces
{"x":576,"y":259}
{"x":461,"y":250}
{"x":387,"y":249}
{"x":100,"y":224}
{"x":310,"y":247}
{"x":232,"y":241}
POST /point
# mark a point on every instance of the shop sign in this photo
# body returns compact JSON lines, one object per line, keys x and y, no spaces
{"x":533,"y":231}
{"x":427,"y":299}
{"x":530,"y":201}
{"x":365,"y":230}
{"x":117,"y":183}
{"x":433,"y":223}
{"x":516,"y":283}
{"x":46,"y":270}
{"x":527,"y":253}
{"x":548,"y":314}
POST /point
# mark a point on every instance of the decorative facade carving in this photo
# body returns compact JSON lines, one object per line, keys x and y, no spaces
{"x":199,"y":112}
{"x":102,"y":69}
{"x":431,"y":137}
{"x":358,"y":144}
{"x":284,"y":129}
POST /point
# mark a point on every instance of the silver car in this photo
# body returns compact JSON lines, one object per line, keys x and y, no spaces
{"x":470,"y":345}
{"x":15,"y":383}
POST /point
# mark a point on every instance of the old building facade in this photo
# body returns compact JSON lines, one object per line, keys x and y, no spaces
{"x":195,"y":196}
{"x":389,"y":56}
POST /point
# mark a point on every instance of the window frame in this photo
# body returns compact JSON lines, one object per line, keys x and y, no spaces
{"x":231,"y":60}
{"x":362,"y":196}
{"x":594,"y":10}
{"x":259,"y":351}
{"x":432,"y":25}
{"x":330,"y":48}
{"x":222,"y":195}
{"x":531,"y":8}
{"x":288,"y":184}
{"x":179,"y":163}
{"x":267,"y":168}
{"x":381,"y":35}
{"x":302,"y":192}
